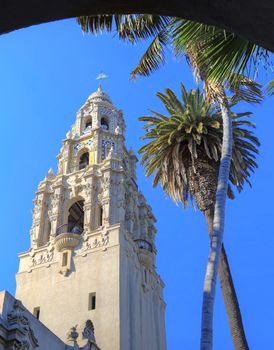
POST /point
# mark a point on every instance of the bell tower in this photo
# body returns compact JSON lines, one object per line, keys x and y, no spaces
{"x":92,"y":254}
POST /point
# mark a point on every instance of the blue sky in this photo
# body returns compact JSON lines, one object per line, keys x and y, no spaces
{"x":47,"y":72}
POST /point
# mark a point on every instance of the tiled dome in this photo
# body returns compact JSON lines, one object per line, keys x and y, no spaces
{"x":99,"y":96}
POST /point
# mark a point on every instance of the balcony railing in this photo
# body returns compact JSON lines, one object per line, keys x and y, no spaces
{"x":69,"y":228}
{"x":73,"y":169}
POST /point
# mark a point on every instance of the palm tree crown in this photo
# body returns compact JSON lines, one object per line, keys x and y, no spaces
{"x":184,"y":148}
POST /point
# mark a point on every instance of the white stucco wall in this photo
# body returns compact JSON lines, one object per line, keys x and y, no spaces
{"x":63,"y":300}
{"x":129,"y":312}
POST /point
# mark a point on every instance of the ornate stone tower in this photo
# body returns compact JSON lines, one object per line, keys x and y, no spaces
{"x":92,"y":254}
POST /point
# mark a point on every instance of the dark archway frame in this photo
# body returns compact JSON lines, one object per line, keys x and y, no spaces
{"x":251,"y":19}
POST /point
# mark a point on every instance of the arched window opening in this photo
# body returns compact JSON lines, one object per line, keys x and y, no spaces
{"x":84,"y":161}
{"x":143,"y":244}
{"x":104,"y":123}
{"x":88,"y":124}
{"x":47,"y":230}
{"x":145,"y":275}
{"x":76,"y":218}
{"x":100,"y":216}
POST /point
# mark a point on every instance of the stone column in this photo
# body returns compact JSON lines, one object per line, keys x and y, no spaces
{"x":55,"y":213}
{"x":121,"y":199}
{"x":65,"y":157}
{"x":89,"y":190}
{"x":37,"y":222}
{"x":106,"y":196}
{"x":129,"y":217}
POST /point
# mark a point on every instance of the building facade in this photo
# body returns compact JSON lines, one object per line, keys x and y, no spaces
{"x":89,"y":276}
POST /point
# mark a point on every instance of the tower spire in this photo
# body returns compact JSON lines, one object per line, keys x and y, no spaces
{"x":92,"y":256}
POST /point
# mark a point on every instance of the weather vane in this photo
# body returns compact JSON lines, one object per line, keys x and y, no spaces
{"x":101,"y":76}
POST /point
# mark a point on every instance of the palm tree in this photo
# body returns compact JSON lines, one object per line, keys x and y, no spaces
{"x":245,"y":89}
{"x":184,"y":148}
{"x":184,"y":154}
{"x":195,"y":44}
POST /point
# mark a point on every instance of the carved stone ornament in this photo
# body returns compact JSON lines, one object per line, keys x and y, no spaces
{"x":69,"y":134}
{"x":72,"y":334}
{"x":93,"y":243}
{"x":25,"y":340}
{"x":118,"y":130}
{"x":50,"y":174}
{"x":88,"y":332}
{"x":42,"y":258}
{"x":24,"y":345}
{"x":88,"y":189}
{"x":16,"y":316}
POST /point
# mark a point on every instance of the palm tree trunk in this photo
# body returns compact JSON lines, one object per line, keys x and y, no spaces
{"x":229,"y":294}
{"x":218,"y":230}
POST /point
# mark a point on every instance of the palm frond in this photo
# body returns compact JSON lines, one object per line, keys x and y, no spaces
{"x":128,"y":27}
{"x":270,"y":88}
{"x":153,"y":57}
{"x":99,"y":23}
{"x":246,"y":89}
{"x":225,"y":54}
{"x":140,"y":27}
